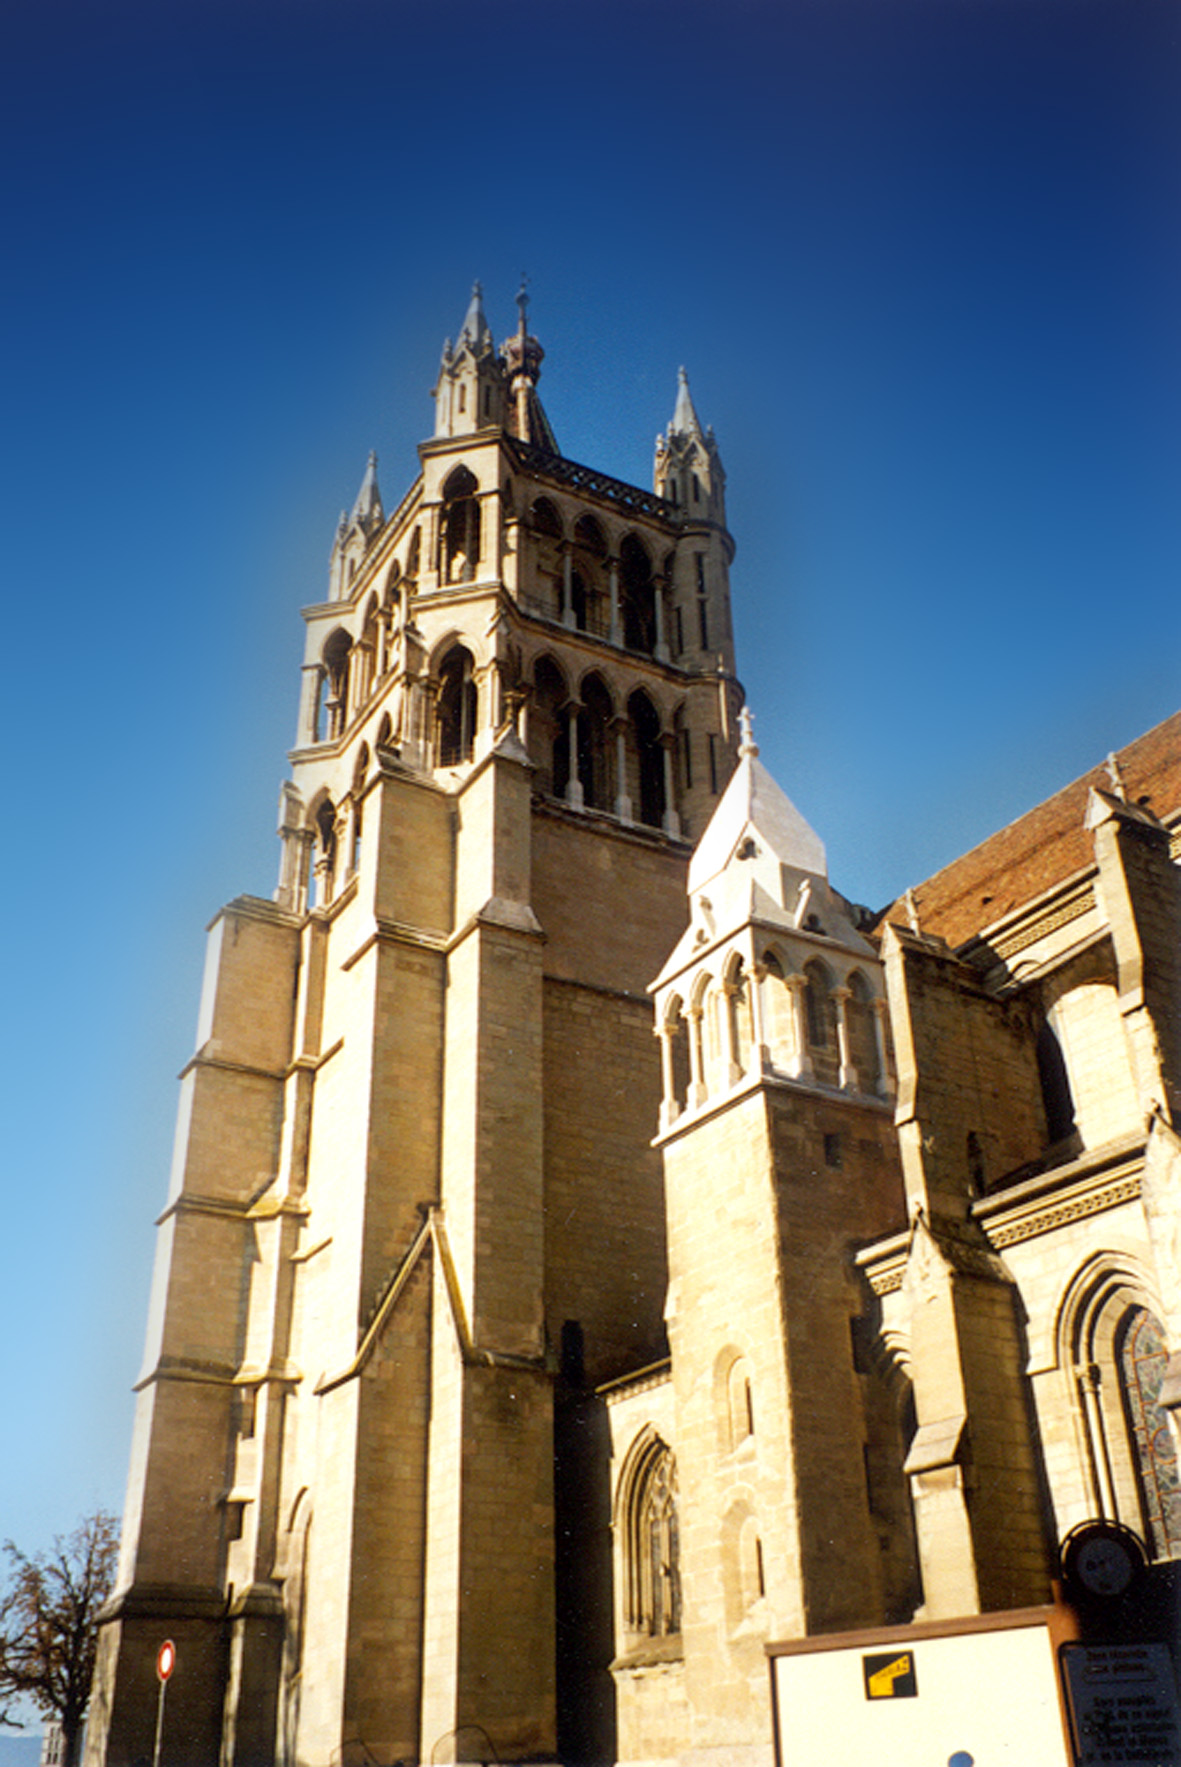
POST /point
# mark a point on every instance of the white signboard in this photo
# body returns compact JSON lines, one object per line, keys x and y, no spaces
{"x":921,"y":1697}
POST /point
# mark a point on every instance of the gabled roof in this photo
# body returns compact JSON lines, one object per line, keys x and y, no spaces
{"x":1045,"y":846}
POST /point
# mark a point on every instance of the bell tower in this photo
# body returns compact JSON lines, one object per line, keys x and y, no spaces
{"x":777,"y":1140}
{"x":415,"y":1214}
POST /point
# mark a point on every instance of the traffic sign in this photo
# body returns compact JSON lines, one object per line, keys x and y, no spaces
{"x":165,"y":1660}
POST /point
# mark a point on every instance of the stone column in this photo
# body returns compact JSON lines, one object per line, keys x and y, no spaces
{"x":670,"y":1109}
{"x":1098,"y":1460}
{"x":660,"y":648}
{"x":730,"y":995}
{"x":309,"y":695}
{"x":849,"y":1077}
{"x":431,"y":547}
{"x":672,"y":822}
{"x":574,"y":793}
{"x":698,"y":1092}
{"x":880,"y":1010}
{"x":760,"y":1050}
{"x":614,"y":633}
{"x":623,"y":804}
{"x":801,"y":1062}
{"x":567,"y":587}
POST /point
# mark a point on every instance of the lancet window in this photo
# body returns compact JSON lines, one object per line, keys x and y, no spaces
{"x":332,"y":702}
{"x":1115,"y":1352}
{"x":649,"y":795}
{"x":588,"y":588}
{"x":1142,"y":1355}
{"x":650,"y":1542}
{"x":862,"y":1034}
{"x":325,"y":859}
{"x":456,"y":713}
{"x":549,"y":729}
{"x":637,"y":593}
{"x":460,"y":528}
{"x":595,"y":770}
{"x":820,"y":1012}
{"x":550,"y":565}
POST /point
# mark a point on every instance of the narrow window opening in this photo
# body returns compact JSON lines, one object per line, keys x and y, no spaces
{"x":1055,"y":1083}
{"x":456,"y":708}
{"x":832,"y":1149}
{"x":975,"y":1164}
{"x":573,"y":1354}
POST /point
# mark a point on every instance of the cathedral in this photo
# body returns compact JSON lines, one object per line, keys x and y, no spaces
{"x":597,"y":1253}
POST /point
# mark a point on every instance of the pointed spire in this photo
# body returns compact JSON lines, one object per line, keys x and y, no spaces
{"x":754,"y":804}
{"x":475,"y":333}
{"x":367,"y":509}
{"x":685,"y":421}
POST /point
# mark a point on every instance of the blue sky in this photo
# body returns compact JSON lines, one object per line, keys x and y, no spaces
{"x":921,"y":260}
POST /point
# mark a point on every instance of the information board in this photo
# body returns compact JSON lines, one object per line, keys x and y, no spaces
{"x":1123,"y":1705}
{"x":984,"y":1696}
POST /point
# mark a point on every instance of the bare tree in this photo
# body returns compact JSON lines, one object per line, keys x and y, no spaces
{"x":48,"y":1623}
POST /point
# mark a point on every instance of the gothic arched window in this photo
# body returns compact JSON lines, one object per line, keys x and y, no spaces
{"x":637,"y":596}
{"x":587,"y":587}
{"x":645,"y":723}
{"x":460,"y":528}
{"x":818,"y":1005}
{"x":1142,"y":1356}
{"x":456,"y":707}
{"x":594,"y":744}
{"x":650,"y":1543}
{"x":549,"y":729}
{"x":1113,"y":1352}
{"x":863,"y":1043}
{"x":334,"y":686}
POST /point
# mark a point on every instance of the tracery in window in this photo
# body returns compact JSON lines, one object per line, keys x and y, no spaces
{"x":1142,"y":1356}
{"x":1112,"y":1350}
{"x":647,"y":1520}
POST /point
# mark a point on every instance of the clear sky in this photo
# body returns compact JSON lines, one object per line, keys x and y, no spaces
{"x":921,"y":259}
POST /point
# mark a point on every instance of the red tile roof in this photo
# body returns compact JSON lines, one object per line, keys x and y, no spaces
{"x":1043,"y":847}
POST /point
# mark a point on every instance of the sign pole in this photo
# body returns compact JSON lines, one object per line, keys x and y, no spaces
{"x":165,"y":1664}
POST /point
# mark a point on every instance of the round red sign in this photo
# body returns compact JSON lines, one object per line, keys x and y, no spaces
{"x":165,"y":1660}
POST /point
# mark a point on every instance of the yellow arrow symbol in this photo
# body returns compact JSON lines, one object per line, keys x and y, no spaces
{"x":881,"y":1683}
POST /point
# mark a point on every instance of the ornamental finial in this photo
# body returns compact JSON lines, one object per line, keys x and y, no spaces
{"x":748,"y":745}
